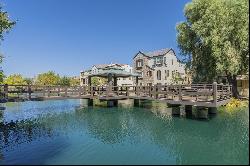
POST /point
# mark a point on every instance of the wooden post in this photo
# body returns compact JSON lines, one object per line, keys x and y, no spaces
{"x":84,"y":90}
{"x":167,"y":92}
{"x":180,"y":94}
{"x":215,"y":92}
{"x":149,"y":91}
{"x":91,"y":91}
{"x":58,"y":91}
{"x":29,"y":91}
{"x":136,"y":90}
{"x":66,"y":91}
{"x":222,"y":91}
{"x":80,"y":91}
{"x":127,"y":91}
{"x":43,"y":91}
{"x":48,"y":91}
{"x":154,"y":92}
{"x":6,"y":91}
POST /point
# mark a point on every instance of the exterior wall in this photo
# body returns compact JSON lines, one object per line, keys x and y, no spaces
{"x":243,"y":87}
{"x":126,"y":81}
{"x":166,"y":66}
{"x":146,"y":78}
{"x":167,"y":63}
{"x":84,"y":78}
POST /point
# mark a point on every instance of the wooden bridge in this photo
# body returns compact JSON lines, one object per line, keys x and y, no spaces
{"x":207,"y":95}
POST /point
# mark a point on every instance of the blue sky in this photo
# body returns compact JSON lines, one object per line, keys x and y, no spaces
{"x":67,"y":36}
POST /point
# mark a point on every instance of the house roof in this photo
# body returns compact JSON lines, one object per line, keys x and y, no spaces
{"x":99,"y":66}
{"x":115,"y":72}
{"x":155,"y":53}
{"x":158,"y":52}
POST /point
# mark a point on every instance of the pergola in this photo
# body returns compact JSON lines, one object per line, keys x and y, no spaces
{"x":113,"y":74}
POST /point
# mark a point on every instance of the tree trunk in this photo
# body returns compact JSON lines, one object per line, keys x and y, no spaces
{"x":232,"y":81}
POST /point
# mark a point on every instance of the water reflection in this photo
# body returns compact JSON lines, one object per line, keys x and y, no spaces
{"x":221,"y":140}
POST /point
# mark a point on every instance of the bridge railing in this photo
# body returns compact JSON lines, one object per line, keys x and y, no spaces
{"x":197,"y":92}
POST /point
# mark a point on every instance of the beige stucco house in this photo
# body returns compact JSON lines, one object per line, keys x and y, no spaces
{"x":159,"y":67}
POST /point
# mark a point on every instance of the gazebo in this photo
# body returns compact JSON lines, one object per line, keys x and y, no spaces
{"x":112,"y":73}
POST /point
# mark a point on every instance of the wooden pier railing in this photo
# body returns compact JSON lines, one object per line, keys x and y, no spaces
{"x":210,"y":93}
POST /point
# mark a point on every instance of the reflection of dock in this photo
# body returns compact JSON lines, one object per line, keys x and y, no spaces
{"x":198,"y":95}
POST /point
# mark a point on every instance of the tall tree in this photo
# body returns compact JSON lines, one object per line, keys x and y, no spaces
{"x":74,"y":81}
{"x":49,"y":78}
{"x":214,"y":39}
{"x":64,"y":81}
{"x":5,"y":25}
{"x":15,"y":79}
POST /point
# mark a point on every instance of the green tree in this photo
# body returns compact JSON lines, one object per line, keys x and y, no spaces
{"x":64,"y":81}
{"x":1,"y":76}
{"x":74,"y":81}
{"x":176,"y":78}
{"x":15,"y":79}
{"x":97,"y":81}
{"x":5,"y":25}
{"x":214,"y":39}
{"x":49,"y":78}
{"x":28,"y":80}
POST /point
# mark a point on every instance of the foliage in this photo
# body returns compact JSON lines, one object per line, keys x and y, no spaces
{"x":74,"y":81}
{"x":15,"y":79}
{"x":49,"y":78}
{"x":64,"y":81}
{"x":236,"y":103}
{"x":176,"y":78}
{"x":96,"y":81}
{"x":214,"y":39}
{"x":5,"y":25}
{"x":1,"y":76}
{"x":28,"y":80}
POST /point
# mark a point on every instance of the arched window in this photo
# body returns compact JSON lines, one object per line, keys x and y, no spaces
{"x":158,"y":75}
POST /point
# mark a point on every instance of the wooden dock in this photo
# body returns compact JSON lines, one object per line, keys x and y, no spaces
{"x":206,"y":95}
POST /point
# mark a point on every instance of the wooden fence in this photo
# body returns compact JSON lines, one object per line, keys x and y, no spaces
{"x":195,"y":92}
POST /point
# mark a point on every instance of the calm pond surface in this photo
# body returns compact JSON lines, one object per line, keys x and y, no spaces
{"x":65,"y":132}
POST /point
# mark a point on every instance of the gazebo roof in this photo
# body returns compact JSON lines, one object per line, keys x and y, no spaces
{"x":114,"y":72}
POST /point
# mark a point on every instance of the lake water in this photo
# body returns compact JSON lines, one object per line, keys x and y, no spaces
{"x":67,"y":132}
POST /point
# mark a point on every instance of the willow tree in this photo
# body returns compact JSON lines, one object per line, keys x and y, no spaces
{"x":5,"y":25}
{"x":214,"y":39}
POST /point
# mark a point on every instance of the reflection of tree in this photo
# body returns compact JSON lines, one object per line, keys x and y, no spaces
{"x":103,"y":126}
{"x":14,"y":133}
{"x":183,"y":139}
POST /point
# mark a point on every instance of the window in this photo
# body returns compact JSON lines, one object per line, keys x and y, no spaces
{"x":172,"y":62}
{"x":164,"y":59}
{"x":124,"y":78}
{"x":158,"y":75}
{"x":159,"y":60}
{"x":149,"y":73}
{"x":139,"y":63}
{"x":166,"y":74}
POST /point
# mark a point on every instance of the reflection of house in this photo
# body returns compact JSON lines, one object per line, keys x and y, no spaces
{"x":243,"y":85}
{"x":101,"y":69}
{"x":159,"y":67}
